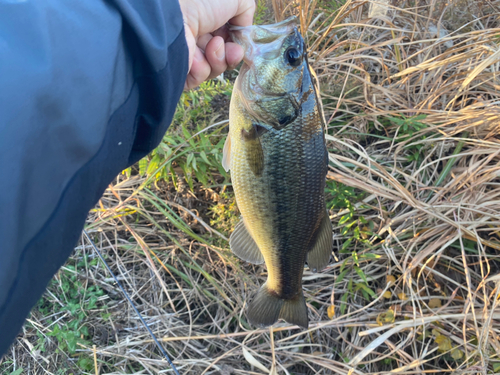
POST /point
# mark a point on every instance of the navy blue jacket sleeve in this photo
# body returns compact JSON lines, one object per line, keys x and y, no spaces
{"x":86,"y":89}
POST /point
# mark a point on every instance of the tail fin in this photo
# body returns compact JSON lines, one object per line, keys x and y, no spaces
{"x":266,"y":308}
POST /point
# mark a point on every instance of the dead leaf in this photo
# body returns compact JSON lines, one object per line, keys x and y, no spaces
{"x":253,"y":361}
{"x":396,"y":308}
{"x":387,"y":317}
{"x":434,"y":303}
{"x":331,"y":311}
{"x":456,"y":354}
{"x":390,"y":279}
{"x":444,"y":343}
{"x":426,"y":334}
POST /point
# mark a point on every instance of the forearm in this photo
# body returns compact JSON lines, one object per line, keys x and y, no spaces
{"x":86,"y":89}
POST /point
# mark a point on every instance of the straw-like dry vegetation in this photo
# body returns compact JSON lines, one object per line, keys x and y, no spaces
{"x":411,"y":95}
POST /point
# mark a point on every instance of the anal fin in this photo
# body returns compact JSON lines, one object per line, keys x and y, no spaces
{"x":243,"y":245}
{"x":321,"y":249}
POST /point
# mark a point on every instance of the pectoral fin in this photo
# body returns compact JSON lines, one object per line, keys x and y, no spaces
{"x":226,"y":154}
{"x":255,"y":157}
{"x":243,"y":245}
{"x":254,"y":152}
{"x":321,"y":248}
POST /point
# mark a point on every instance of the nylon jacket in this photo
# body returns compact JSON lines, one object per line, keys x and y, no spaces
{"x":87,"y":88}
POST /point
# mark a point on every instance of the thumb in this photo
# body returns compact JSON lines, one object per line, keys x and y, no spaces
{"x":191,"y":43}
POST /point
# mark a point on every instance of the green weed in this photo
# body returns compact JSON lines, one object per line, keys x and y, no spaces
{"x":225,"y":213}
{"x":357,"y":230}
{"x":261,"y":13}
{"x":72,"y":300}
{"x":407,"y":128}
{"x":340,"y":196}
{"x":188,"y":149}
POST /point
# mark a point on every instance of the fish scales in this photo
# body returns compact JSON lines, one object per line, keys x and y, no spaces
{"x":278,"y":161}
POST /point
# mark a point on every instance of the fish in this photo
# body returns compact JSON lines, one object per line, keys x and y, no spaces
{"x":278,"y":160}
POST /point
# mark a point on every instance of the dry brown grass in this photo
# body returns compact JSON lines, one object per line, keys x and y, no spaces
{"x":435,"y":218}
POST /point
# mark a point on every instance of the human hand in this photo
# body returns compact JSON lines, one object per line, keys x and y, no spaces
{"x":211,"y":50}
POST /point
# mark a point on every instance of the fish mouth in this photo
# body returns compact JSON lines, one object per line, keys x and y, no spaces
{"x":262,"y":44}
{"x":263,"y":40}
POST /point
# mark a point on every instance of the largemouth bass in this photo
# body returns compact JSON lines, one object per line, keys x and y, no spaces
{"x":278,"y":160}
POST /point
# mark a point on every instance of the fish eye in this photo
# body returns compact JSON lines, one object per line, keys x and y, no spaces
{"x":293,"y":56}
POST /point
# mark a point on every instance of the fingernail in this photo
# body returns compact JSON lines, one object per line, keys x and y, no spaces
{"x":219,"y":52}
{"x":198,"y":55}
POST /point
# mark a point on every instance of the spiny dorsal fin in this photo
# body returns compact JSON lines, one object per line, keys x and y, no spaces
{"x":243,"y":245}
{"x":320,"y":251}
{"x":226,"y":154}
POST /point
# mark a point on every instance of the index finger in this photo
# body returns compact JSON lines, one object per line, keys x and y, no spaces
{"x":244,"y":14}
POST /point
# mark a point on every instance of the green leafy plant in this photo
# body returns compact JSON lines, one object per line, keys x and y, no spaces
{"x":262,"y":13}
{"x":74,"y":299}
{"x":407,"y":128}
{"x":356,"y":227}
{"x":188,"y":149}
{"x":357,"y":230}
{"x":340,"y":196}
